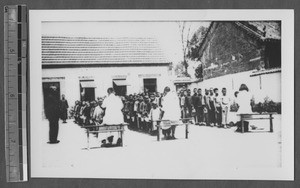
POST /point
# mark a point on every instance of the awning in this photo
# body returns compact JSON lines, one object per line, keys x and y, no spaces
{"x":88,"y":84}
{"x":121,"y":82}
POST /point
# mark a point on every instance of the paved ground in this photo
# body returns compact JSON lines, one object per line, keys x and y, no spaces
{"x":206,"y":148}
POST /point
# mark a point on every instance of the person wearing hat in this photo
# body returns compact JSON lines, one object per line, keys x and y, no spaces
{"x":52,"y":113}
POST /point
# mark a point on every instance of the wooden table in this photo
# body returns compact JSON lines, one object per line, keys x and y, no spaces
{"x":167,"y":123}
{"x":104,"y":129}
{"x":249,"y":116}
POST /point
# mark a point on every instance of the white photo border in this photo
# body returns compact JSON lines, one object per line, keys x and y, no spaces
{"x":36,"y":17}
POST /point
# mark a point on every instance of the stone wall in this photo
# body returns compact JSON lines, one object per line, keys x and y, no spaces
{"x":230,"y":50}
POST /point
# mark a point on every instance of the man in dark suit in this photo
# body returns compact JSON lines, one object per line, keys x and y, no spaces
{"x":64,"y":108}
{"x":52,"y":114}
{"x":195,"y":104}
{"x":199,"y":109}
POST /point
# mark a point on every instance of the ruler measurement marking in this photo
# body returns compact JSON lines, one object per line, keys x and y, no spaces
{"x":15,"y":54}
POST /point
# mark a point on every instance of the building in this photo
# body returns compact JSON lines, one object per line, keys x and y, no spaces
{"x":84,"y":67}
{"x":235,"y":52}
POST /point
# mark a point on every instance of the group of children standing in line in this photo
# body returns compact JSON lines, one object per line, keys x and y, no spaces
{"x":210,"y":109}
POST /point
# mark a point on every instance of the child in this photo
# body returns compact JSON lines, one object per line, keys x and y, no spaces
{"x":155,"y":114}
{"x":218,"y":108}
{"x":225,"y":102}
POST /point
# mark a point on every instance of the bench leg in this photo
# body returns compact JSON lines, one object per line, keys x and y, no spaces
{"x":187,"y":131}
{"x":242,"y":125}
{"x":271,"y":123}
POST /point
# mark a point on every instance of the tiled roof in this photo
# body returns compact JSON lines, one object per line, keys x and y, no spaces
{"x":264,"y":30}
{"x":101,"y":50}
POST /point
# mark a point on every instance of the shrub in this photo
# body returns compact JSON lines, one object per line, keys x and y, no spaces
{"x":267,"y":106}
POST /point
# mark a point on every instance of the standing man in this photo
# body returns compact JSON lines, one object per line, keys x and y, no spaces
{"x":206,"y":108}
{"x":52,"y":114}
{"x":113,"y":109}
{"x":218,"y":109}
{"x":171,"y":109}
{"x":212,"y":108}
{"x":64,"y":108}
{"x":199,"y":107}
{"x":194,"y":103}
{"x":189,"y":103}
{"x":183,"y":104}
{"x":225,"y":102}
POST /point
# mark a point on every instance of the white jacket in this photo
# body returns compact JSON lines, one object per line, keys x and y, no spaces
{"x":243,"y":100}
{"x":113,"y":110}
{"x":171,"y":107}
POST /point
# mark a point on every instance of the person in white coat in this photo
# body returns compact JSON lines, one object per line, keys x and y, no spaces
{"x":244,"y":102}
{"x":113,"y":109}
{"x":171,"y":109}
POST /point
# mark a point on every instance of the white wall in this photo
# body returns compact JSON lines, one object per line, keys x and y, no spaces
{"x":103,"y":77}
{"x":270,"y":84}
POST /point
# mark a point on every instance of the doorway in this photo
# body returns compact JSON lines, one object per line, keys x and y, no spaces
{"x":120,"y":86}
{"x":87,"y":90}
{"x":150,"y":84}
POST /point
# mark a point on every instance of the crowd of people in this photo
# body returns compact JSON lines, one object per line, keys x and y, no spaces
{"x":144,"y":111}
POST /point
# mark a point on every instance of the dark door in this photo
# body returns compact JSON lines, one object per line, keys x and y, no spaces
{"x":120,"y":90}
{"x":150,"y":85}
{"x":87,"y":90}
{"x":87,"y":94}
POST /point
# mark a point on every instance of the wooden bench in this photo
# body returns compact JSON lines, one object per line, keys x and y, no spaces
{"x":104,"y":129}
{"x":167,"y":123}
{"x":262,"y":116}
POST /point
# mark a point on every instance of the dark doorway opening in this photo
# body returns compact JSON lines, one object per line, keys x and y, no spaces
{"x":150,"y":85}
{"x":120,"y":87}
{"x":87,"y":90}
{"x":273,"y":55}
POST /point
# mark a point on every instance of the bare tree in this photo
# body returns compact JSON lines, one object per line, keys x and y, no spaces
{"x":184,"y":29}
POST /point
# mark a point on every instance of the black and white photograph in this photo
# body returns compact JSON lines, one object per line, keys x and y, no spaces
{"x":182,"y":94}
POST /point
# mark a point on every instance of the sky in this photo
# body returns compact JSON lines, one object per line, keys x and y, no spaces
{"x":167,"y":33}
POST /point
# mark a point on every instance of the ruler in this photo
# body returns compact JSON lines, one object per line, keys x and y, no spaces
{"x":15,"y":88}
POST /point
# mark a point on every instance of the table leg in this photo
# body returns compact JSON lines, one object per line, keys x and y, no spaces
{"x":158,"y":133}
{"x":271,"y":123}
{"x":242,"y":120}
{"x":88,"y":139}
{"x":186,"y":130}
